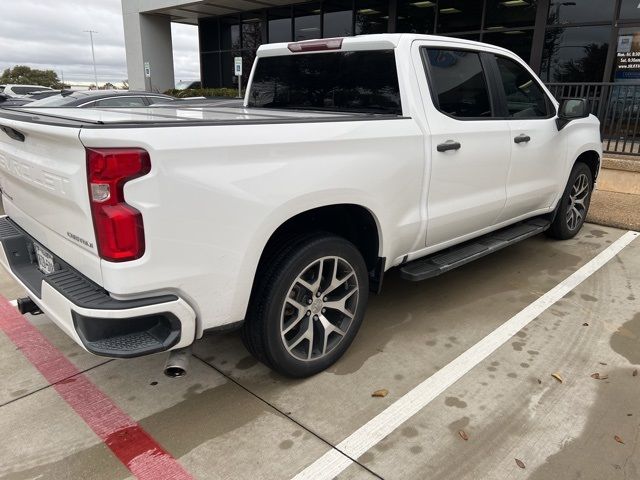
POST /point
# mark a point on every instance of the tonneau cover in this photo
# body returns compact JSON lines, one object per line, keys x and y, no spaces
{"x":174,"y":116}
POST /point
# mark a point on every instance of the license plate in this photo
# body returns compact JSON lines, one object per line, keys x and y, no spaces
{"x":45,"y":260}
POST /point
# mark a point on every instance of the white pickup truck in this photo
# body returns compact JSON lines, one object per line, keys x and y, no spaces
{"x":136,"y":230}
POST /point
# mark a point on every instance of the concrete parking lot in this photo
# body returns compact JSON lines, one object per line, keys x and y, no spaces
{"x":62,"y":410}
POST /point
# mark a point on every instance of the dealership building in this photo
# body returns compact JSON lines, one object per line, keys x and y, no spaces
{"x":564,"y":41}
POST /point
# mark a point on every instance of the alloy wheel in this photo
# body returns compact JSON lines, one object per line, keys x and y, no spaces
{"x":577,"y":208}
{"x":319,"y":308}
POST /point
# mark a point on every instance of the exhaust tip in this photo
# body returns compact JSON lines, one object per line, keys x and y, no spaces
{"x":177,"y":363}
{"x":174,"y":372}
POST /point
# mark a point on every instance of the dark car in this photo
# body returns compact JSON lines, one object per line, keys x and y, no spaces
{"x":102,"y":99}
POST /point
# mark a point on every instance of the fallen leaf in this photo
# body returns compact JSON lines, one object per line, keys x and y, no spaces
{"x":463,"y":435}
{"x":595,"y":375}
{"x":383,"y":392}
{"x":557,"y":377}
{"x":520,"y":463}
{"x":635,"y":373}
{"x":618,"y":439}
{"x":585,"y":324}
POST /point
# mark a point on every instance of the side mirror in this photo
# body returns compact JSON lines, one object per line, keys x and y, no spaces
{"x":571,"y":109}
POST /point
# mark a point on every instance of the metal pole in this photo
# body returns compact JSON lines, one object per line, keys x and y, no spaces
{"x":93,"y":55}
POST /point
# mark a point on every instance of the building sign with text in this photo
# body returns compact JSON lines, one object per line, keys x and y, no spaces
{"x":628,"y":57}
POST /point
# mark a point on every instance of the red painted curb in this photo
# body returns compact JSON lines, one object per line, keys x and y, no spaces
{"x":134,"y":447}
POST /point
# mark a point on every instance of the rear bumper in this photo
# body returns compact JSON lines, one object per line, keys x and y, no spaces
{"x":87,"y":313}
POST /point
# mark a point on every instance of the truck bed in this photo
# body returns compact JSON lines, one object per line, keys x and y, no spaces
{"x":187,"y":115}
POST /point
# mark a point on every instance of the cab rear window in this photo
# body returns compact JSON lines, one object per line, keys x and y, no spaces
{"x":364,"y":81}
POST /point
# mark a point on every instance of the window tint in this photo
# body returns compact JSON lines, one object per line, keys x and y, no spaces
{"x":153,"y":100}
{"x":364,"y":81}
{"x":338,"y":18}
{"x":501,"y":13}
{"x":518,"y":41}
{"x":577,"y":11}
{"x":306,"y":21}
{"x":459,"y":15}
{"x":25,"y":90}
{"x":416,"y":17}
{"x":372,"y":16}
{"x":119,"y":102}
{"x":458,"y":83}
{"x":279,"y":25}
{"x":629,"y":10}
{"x":575,"y":54}
{"x":525,"y":97}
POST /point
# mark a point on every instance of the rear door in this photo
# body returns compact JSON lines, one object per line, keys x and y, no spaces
{"x":470,"y":146}
{"x":537,"y":150}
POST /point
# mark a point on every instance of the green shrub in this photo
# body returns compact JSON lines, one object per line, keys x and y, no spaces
{"x":203,"y":92}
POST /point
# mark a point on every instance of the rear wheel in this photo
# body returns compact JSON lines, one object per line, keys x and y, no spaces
{"x":308,"y":305}
{"x":574,"y":204}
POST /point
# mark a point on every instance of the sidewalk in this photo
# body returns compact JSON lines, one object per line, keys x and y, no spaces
{"x":616,"y":202}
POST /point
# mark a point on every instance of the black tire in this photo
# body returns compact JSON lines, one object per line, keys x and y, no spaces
{"x":264,"y":330}
{"x":565,"y":226}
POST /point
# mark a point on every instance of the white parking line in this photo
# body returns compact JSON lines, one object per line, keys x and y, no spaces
{"x":339,"y":458}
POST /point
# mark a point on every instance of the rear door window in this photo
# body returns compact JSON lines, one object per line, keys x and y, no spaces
{"x":458,"y":83}
{"x":25,"y":90}
{"x":120,"y":102}
{"x":361,"y":81}
{"x":524,"y":95}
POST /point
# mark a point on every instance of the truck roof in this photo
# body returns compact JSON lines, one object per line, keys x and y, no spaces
{"x":375,"y":42}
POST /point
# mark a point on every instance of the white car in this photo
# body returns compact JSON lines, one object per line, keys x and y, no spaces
{"x":137,"y":230}
{"x":21,"y":90}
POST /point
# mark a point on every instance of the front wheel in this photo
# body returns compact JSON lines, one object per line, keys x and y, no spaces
{"x":308,"y":305}
{"x":574,"y":204}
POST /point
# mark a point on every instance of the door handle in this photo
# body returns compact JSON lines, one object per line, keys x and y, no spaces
{"x":449,"y":145}
{"x":522,"y":139}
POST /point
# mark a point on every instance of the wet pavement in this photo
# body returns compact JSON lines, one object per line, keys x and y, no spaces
{"x":231,"y":417}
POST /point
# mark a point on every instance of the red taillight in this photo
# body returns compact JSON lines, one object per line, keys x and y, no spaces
{"x":316,"y":45}
{"x":118,"y":226}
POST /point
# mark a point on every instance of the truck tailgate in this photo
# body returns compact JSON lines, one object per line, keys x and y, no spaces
{"x":44,"y":185}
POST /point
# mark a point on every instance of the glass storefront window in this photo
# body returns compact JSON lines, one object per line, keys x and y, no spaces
{"x":575,"y":54}
{"x":228,"y":77}
{"x":252,"y":27}
{"x":279,"y":20}
{"x":518,"y":41}
{"x":466,"y":36}
{"x":510,"y":13}
{"x":416,"y":16}
{"x":230,"y":32}
{"x":459,"y":15}
{"x":630,"y":10}
{"x":210,"y":69}
{"x":338,"y":18}
{"x":627,"y":64}
{"x":209,"y":34}
{"x":306,"y":21}
{"x":577,"y":11}
{"x":372,"y":16}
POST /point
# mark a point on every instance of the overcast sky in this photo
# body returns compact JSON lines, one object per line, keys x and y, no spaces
{"x":49,"y":35}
